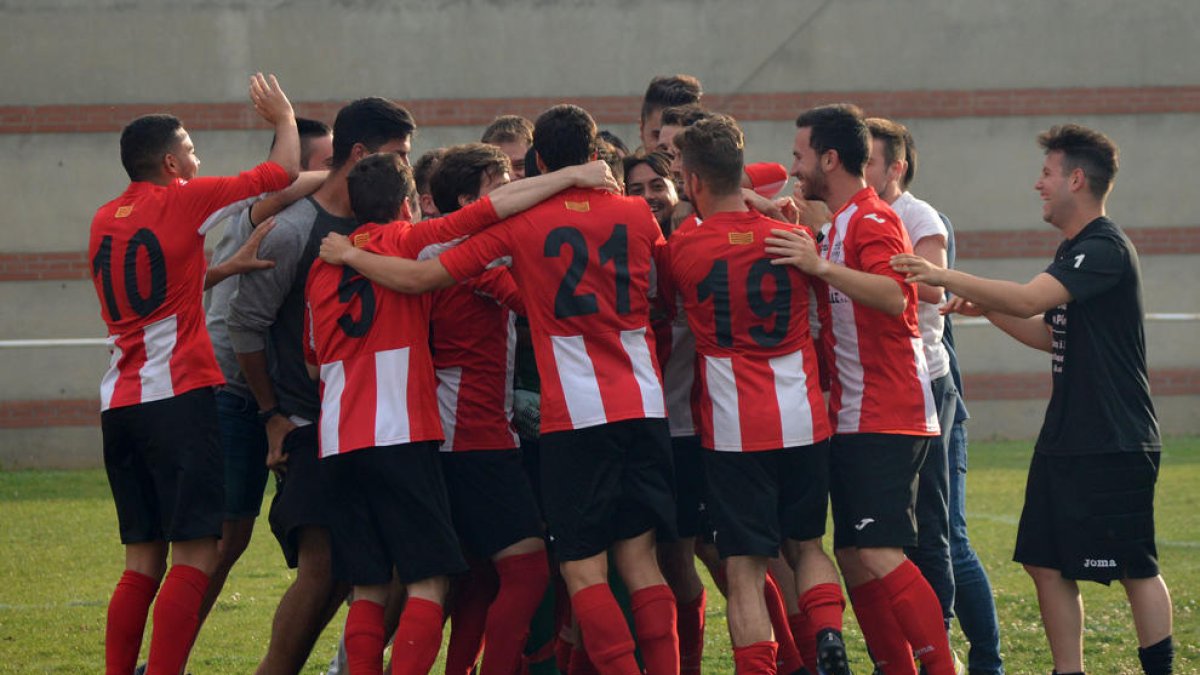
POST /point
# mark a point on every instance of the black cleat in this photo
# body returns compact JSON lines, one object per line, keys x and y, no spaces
{"x":831,"y":654}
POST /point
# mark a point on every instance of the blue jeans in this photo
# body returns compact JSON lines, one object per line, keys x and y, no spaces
{"x":973,"y":601}
{"x":244,"y":443}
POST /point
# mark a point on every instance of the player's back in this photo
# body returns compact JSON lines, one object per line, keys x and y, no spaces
{"x":372,"y":347}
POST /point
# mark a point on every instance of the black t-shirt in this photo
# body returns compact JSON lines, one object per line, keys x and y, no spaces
{"x":1101,"y":399}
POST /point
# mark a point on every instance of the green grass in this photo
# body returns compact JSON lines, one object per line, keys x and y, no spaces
{"x":59,"y":558}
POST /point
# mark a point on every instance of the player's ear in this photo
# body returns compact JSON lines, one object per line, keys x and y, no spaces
{"x":169,"y":165}
{"x":829,"y":160}
{"x":464,"y":200}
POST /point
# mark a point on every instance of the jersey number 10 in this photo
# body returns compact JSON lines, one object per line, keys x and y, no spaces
{"x":102,"y":265}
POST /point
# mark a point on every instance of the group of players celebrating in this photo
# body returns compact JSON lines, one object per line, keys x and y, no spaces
{"x":479,"y":393}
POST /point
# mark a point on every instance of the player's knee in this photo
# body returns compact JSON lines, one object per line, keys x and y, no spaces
{"x":1042,"y":575}
{"x":433,"y":589}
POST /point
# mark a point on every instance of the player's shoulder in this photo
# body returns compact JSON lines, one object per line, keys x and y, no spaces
{"x":870,"y":209}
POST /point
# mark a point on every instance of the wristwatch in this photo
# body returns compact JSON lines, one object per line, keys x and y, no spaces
{"x":265,"y":416}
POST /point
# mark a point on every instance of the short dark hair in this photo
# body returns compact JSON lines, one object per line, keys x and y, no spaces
{"x":684,"y":115}
{"x":144,"y":141}
{"x":608,"y":153}
{"x":308,"y":130}
{"x":665,"y":91}
{"x":713,"y":149}
{"x":461,"y":172}
{"x":613,"y":140}
{"x":838,"y":127}
{"x":892,"y":135}
{"x":658,"y":162}
{"x":378,"y":186}
{"x":508,"y":128}
{"x":424,"y":168}
{"x":371,"y":121}
{"x":564,"y":135}
{"x":1085,"y":149}
{"x":531,"y":163}
{"x":910,"y":152}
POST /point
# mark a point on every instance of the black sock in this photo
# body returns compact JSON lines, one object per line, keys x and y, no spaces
{"x":1158,"y":658}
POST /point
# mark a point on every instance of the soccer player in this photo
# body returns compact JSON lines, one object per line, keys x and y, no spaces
{"x":664,"y":91}
{"x":762,"y":418}
{"x":885,"y":172}
{"x":474,"y":337}
{"x":881,"y":404}
{"x":1089,"y":500}
{"x":422,"y":171}
{"x":379,"y":422}
{"x":243,"y":439}
{"x":158,"y":414}
{"x":513,"y":134}
{"x":649,"y":177}
{"x":582,"y":263}
{"x":266,"y":316}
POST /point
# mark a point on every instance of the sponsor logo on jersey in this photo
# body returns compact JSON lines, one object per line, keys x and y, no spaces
{"x":360,"y":240}
{"x":872,"y":216}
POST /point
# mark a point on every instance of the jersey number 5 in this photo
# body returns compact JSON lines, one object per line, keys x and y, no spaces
{"x":353,"y":285}
{"x":102,"y":265}
{"x":567,"y":303}
{"x":715,"y":285}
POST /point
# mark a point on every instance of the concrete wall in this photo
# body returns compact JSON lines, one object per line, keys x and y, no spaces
{"x":977,"y":168}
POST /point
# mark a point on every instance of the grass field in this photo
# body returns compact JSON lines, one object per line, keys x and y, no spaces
{"x":59,"y":559}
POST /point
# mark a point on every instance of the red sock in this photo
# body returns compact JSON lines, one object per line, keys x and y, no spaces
{"x":364,"y":638}
{"x":654,"y":623}
{"x":690,"y":626}
{"x":127,"y":613}
{"x":418,"y":637}
{"x":786,"y":652}
{"x":605,"y":633}
{"x":523,"y":580}
{"x":176,"y":615}
{"x":881,"y":630}
{"x":913,"y":598}
{"x":579,"y":663}
{"x":755,"y":659}
{"x":806,"y":640}
{"x":468,"y":616}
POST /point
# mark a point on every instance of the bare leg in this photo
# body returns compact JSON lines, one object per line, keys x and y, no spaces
{"x":1151,"y":604}
{"x":1062,"y":615}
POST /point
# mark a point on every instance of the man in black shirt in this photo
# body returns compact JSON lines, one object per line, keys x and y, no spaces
{"x":1089,"y":500}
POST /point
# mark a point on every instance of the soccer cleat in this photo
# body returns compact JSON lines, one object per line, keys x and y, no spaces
{"x":831,"y":654}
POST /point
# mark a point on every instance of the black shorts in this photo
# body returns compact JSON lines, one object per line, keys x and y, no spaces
{"x":758,"y":499}
{"x":606,"y":483}
{"x":873,"y":489}
{"x":301,"y":493}
{"x":388,"y":509}
{"x":1090,"y":517}
{"x":491,"y":501}
{"x":689,"y":486}
{"x":164,"y":466}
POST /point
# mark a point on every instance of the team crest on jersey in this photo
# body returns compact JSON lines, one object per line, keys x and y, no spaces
{"x":360,"y":240}
{"x":741,"y":238}
{"x":872,"y":216}
{"x":123,"y":211}
{"x":579,"y":207}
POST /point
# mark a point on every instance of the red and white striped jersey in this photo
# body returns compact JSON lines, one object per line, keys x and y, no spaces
{"x":147,"y":256}
{"x":757,"y":366}
{"x":474,"y":340}
{"x":879,"y":382}
{"x":582,"y":262}
{"x":372,"y":344}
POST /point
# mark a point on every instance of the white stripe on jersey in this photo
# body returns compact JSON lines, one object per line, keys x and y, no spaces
{"x":449,"y":381}
{"x":848,"y":360}
{"x":109,"y":383}
{"x":577,"y":377}
{"x":931,"y":412}
{"x":333,"y":380}
{"x":510,"y":356}
{"x":723,"y":393}
{"x":679,"y":374}
{"x":791,"y":392}
{"x":391,"y":397}
{"x":159,"y":341}
{"x":638,"y":348}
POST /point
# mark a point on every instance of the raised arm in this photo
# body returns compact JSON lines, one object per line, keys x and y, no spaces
{"x":304,"y":185}
{"x":273,"y":106}
{"x":877,"y":291}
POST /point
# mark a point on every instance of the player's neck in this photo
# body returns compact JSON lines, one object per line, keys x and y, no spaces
{"x":1084,"y":214}
{"x":710,"y":205}
{"x":842,"y":189}
{"x":334,"y":196}
{"x":891,"y":192}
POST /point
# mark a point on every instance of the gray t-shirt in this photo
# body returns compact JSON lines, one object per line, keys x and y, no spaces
{"x":216,"y":303}
{"x":267,"y":309}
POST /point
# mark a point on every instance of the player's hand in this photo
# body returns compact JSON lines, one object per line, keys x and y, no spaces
{"x":795,"y":247}
{"x":594,"y":174}
{"x":812,"y":212}
{"x":246,"y":259}
{"x":269,"y":100}
{"x":278,"y":427}
{"x":787,"y":207}
{"x":957,"y":305}
{"x":917,"y":269}
{"x":763,"y":205}
{"x":335,"y":247}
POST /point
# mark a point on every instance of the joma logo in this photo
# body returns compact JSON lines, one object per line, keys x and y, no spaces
{"x":1091,"y":562}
